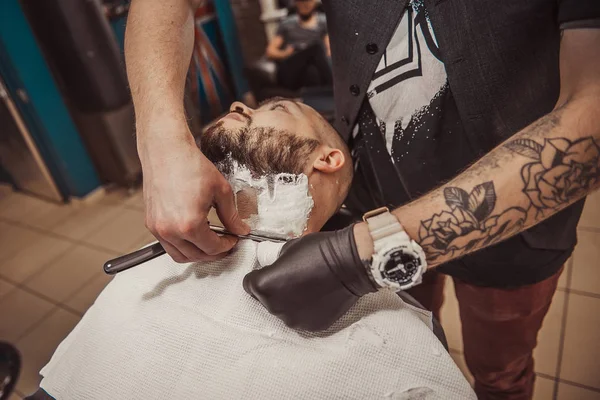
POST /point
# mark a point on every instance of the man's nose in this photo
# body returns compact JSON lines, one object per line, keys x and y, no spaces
{"x":236,"y":106}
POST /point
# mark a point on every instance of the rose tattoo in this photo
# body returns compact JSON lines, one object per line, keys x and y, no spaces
{"x":563,"y":170}
{"x":468,"y":225}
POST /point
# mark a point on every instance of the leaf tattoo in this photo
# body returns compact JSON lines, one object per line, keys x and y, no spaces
{"x":456,"y":197}
{"x":482,"y":200}
{"x":525,"y":147}
{"x":469,"y":225}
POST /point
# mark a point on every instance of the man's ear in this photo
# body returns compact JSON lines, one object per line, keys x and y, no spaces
{"x":330,"y":160}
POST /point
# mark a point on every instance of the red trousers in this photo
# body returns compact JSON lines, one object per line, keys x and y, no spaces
{"x":499,"y":328}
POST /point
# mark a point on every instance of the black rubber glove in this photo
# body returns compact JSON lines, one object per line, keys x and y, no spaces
{"x":316,"y":279}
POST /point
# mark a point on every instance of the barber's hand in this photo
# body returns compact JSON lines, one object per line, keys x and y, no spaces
{"x":180,"y":186}
{"x":316,"y":279}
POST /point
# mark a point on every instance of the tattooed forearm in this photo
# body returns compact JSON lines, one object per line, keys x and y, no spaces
{"x":542,"y":126}
{"x":554,"y":173}
{"x":494,"y":159}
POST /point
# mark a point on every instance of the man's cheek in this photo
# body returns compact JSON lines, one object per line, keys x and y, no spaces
{"x":246,"y":202}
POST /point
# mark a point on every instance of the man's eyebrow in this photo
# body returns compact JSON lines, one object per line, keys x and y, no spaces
{"x":276,"y":99}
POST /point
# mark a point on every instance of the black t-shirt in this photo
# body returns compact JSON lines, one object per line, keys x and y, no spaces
{"x":410,"y":139}
{"x":299,"y":37}
{"x":415,"y":109}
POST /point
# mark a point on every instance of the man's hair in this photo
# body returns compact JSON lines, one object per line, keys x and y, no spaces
{"x":278,"y":151}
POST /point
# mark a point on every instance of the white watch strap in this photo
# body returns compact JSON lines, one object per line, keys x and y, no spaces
{"x":384,"y":228}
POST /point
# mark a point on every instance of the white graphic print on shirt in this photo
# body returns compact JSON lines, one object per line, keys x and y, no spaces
{"x":409,"y":76}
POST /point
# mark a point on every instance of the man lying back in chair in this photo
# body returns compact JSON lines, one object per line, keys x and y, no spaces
{"x":189,"y":331}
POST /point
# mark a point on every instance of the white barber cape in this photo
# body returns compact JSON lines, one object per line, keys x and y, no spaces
{"x":175,"y":331}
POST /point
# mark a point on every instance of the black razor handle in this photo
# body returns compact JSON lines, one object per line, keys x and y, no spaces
{"x":119,"y":264}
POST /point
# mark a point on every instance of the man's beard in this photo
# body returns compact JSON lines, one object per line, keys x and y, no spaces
{"x":263,"y":150}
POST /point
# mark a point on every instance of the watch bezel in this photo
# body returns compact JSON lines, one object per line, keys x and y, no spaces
{"x":381,"y":258}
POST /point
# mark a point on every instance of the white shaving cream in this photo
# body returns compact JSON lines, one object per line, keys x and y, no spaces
{"x":283,"y":201}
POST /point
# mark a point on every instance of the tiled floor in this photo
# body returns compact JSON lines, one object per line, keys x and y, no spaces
{"x":51,"y":260}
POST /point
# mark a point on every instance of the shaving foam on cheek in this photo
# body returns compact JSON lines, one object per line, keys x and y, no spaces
{"x":283,"y":200}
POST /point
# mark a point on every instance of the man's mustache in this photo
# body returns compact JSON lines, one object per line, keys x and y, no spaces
{"x":243,"y":114}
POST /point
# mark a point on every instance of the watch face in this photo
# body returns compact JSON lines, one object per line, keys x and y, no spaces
{"x":401,"y":266}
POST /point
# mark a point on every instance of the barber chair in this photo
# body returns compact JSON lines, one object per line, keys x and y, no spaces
{"x":339,"y":220}
{"x":10,"y":366}
{"x":5,"y":176}
{"x":262,"y":79}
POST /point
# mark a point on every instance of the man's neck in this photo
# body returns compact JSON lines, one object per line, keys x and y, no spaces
{"x":309,"y":23}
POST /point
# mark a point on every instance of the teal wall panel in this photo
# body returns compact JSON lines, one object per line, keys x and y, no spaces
{"x":46,"y":114}
{"x":231,"y":40}
{"x":118,"y":27}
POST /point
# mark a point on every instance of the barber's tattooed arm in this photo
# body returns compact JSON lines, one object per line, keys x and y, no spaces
{"x":537,"y":172}
{"x":554,"y":172}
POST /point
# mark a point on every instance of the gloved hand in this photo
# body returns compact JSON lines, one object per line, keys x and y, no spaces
{"x":315,"y":280}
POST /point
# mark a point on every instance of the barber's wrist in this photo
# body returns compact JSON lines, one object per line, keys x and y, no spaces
{"x":348,"y":267}
{"x":364,"y":241}
{"x":155,"y":137}
{"x":162,"y":126}
{"x":365,"y":248}
{"x":159,"y":110}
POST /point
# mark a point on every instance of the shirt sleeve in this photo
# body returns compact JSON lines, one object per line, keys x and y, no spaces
{"x":322,"y":25}
{"x":282,"y":30}
{"x":573,"y":14}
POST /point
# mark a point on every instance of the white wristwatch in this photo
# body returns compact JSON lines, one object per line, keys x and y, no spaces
{"x":398,"y":262}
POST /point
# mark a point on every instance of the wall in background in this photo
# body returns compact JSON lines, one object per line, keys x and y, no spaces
{"x":250,"y":29}
{"x":41,"y":105}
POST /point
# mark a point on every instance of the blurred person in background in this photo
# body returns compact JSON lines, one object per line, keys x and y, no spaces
{"x":301,"y":48}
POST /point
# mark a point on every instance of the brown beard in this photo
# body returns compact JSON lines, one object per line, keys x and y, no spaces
{"x":262,"y":150}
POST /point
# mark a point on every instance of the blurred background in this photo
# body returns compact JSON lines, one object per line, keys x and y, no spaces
{"x":70,"y":195}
